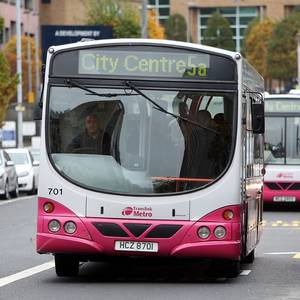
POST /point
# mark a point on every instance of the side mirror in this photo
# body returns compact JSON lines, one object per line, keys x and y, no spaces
{"x":38,"y":109}
{"x":258,"y":117}
{"x":9,"y":163}
{"x":35,"y":163}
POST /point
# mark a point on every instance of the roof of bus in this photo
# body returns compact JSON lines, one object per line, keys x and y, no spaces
{"x":145,"y":41}
{"x":282,"y":96}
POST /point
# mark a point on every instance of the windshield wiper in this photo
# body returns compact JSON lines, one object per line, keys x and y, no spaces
{"x":160,"y":108}
{"x":73,"y":83}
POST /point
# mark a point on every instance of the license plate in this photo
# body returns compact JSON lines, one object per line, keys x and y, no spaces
{"x":136,"y":246}
{"x":284,"y":199}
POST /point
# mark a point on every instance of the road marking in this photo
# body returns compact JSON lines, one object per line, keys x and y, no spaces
{"x":245,"y":272}
{"x":26,"y":273}
{"x":280,"y":253}
{"x":281,"y":224}
{"x":16,"y":200}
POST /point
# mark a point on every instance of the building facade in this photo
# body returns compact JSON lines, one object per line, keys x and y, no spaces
{"x":239,"y":13}
{"x":29,"y":18}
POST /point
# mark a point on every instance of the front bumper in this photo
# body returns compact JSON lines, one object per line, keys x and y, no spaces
{"x":270,"y":194}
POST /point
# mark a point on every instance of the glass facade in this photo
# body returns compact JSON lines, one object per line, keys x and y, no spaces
{"x":238,"y":17}
{"x":162,"y":8}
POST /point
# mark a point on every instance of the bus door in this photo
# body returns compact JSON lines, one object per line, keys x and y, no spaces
{"x":252,"y":166}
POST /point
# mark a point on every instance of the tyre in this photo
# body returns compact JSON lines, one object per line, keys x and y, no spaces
{"x":249,"y":259}
{"x":227,"y":268}
{"x":6,"y":194}
{"x":66,"y":265}
{"x":15,"y":192}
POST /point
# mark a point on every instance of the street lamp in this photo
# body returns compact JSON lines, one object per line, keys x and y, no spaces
{"x":29,"y":94}
{"x":237,"y":26}
{"x":19,"y":72}
{"x":144,"y":18}
{"x":298,"y":58}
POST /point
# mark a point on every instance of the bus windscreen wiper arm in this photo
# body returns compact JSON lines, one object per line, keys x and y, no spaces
{"x":74,"y":83}
{"x":160,"y":108}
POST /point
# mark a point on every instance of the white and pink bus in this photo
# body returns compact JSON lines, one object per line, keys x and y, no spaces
{"x":150,"y":148}
{"x":282,"y":149}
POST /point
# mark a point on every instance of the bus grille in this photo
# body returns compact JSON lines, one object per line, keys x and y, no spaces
{"x":283,"y":185}
{"x":115,"y":230}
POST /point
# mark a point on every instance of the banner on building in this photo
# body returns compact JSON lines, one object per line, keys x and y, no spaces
{"x":53,"y":35}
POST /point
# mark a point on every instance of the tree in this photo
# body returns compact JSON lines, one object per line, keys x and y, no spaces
{"x":256,"y":45}
{"x":10,"y":51}
{"x":176,"y":28}
{"x":282,"y":58}
{"x":120,"y":15}
{"x":8,"y":86}
{"x":155,"y":30}
{"x":218,"y":33}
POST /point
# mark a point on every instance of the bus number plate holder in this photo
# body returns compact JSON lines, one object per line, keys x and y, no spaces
{"x":136,"y":246}
{"x":284,"y":199}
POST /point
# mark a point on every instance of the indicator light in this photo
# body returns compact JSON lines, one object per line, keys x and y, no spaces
{"x":48,"y":207}
{"x":228,"y":214}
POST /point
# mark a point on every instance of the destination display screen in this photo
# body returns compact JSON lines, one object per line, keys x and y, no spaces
{"x":144,"y":62}
{"x":282,"y":106}
{"x":136,"y":63}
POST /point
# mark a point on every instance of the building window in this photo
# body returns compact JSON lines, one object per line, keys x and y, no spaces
{"x":13,"y":28}
{"x":6,"y":35}
{"x":29,"y":4}
{"x":46,"y":1}
{"x":162,"y":8}
{"x":238,"y":17}
{"x":291,"y":8}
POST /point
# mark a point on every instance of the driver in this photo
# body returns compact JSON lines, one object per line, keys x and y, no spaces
{"x":90,"y":140}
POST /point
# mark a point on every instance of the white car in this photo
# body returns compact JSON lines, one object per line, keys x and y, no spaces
{"x":27,"y":169}
{"x":8,"y":177}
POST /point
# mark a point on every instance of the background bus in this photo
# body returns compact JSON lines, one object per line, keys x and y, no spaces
{"x":175,"y":168}
{"x":282,"y":148}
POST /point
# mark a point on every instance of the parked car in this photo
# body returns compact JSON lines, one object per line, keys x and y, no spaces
{"x":35,"y":153}
{"x":8,"y":177}
{"x":27,"y":169}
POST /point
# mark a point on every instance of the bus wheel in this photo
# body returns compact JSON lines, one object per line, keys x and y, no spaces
{"x":66,"y":265}
{"x":249,"y":259}
{"x":227,"y":268}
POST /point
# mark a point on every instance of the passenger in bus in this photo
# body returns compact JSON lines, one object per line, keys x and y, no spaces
{"x":90,"y":140}
{"x":196,"y":163}
{"x":220,"y":147}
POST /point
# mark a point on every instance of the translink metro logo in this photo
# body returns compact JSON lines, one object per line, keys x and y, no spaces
{"x":134,"y":211}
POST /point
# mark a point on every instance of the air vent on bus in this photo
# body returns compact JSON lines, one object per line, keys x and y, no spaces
{"x":110,"y":229}
{"x":163,"y":231}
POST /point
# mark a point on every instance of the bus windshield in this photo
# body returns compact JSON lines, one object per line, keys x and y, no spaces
{"x":282,"y":140}
{"x":116,"y":140}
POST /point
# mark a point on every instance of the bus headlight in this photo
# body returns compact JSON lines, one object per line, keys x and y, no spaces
{"x":54,"y":226}
{"x":23,"y":174}
{"x":203,"y":232}
{"x":70,"y":227}
{"x":219,"y":232}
